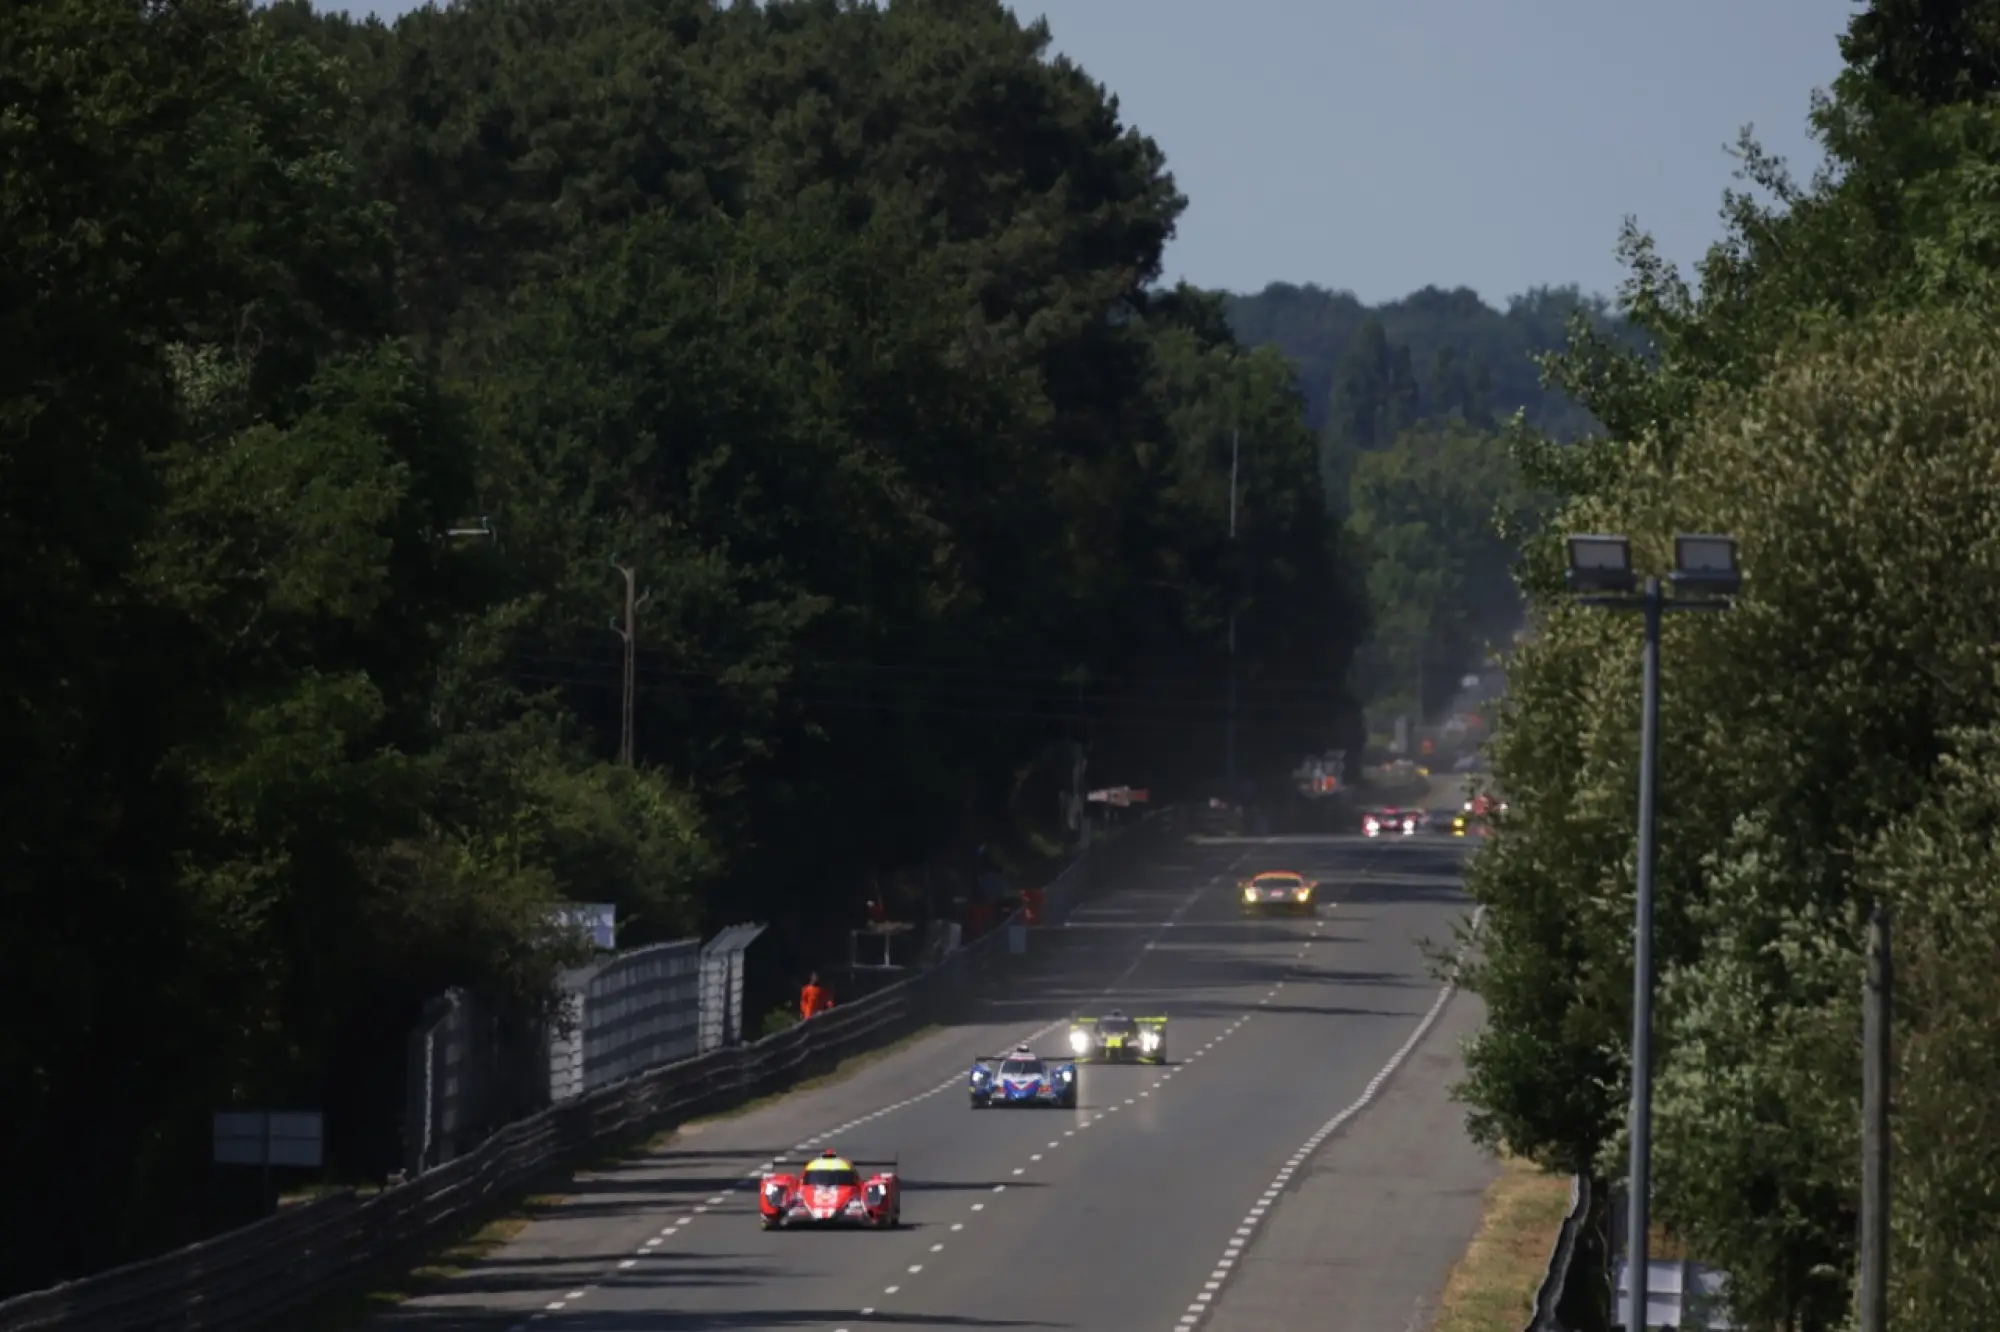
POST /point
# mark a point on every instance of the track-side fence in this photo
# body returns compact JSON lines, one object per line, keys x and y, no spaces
{"x":244,"y":1278}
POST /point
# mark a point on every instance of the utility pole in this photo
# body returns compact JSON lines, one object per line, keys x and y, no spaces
{"x":1229,"y":744}
{"x":629,"y":631}
{"x":1875,"y":1011}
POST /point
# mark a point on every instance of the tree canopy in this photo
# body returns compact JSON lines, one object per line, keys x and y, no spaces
{"x":344,"y":361}
{"x":1451,"y":349}
{"x":1435,"y":515}
{"x":1828,"y":396}
{"x":1417,"y":404}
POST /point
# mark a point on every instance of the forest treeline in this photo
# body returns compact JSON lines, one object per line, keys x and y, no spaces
{"x":1418,"y":406}
{"x":1433,"y":351}
{"x":344,"y":362}
{"x":1829,"y":393}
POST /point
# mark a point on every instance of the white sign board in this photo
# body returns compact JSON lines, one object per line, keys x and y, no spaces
{"x":598,"y":920}
{"x":270,"y":1138}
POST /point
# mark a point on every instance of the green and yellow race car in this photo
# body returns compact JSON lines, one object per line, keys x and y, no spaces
{"x":1117,"y":1039}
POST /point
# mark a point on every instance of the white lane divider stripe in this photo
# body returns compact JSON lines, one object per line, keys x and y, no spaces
{"x":752,"y":1178}
{"x":1234,"y":1248}
{"x":1085,"y":1123}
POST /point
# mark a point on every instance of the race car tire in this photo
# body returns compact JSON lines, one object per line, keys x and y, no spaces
{"x":768,"y":1222}
{"x":979,"y":1103}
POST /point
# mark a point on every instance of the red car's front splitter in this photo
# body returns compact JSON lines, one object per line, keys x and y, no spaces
{"x":870,"y":1222}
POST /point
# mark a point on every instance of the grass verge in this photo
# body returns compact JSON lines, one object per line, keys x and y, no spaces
{"x":1492,"y":1289}
{"x":379,"y":1289}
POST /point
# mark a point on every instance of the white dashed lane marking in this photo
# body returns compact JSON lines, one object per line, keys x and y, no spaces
{"x":750,"y":1179}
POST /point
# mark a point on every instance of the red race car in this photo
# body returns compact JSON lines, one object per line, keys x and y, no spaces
{"x":1392,"y":820}
{"x":830,"y":1191}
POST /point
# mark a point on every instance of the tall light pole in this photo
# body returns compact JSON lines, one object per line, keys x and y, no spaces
{"x":1876,"y":1142}
{"x":1229,"y":743}
{"x":1601,"y":568}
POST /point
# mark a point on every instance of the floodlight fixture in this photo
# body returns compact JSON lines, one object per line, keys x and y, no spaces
{"x":1706,"y":562}
{"x":1600,"y":564}
{"x":1703,"y":563}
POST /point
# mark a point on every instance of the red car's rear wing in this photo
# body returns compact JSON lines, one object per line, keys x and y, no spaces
{"x":878,"y":1166}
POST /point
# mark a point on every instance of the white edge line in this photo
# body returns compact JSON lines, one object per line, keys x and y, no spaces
{"x":1318,"y":1137}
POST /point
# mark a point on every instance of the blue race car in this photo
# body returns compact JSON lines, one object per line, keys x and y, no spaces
{"x":1023,"y":1078}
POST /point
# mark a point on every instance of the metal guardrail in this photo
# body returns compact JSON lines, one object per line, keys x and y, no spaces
{"x":1548,"y":1296}
{"x":247,"y":1277}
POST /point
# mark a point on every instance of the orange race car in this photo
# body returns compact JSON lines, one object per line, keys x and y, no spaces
{"x":1280,"y":890}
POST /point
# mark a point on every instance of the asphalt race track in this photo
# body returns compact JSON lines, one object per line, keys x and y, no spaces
{"x":1133,"y":1212}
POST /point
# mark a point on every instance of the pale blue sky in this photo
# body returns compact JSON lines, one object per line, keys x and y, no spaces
{"x":1381,"y":146}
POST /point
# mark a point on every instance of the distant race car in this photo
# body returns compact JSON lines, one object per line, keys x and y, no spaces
{"x":1476,"y":817}
{"x":1401,"y":822}
{"x":1117,"y":1039}
{"x":832,"y":1191}
{"x":1023,"y":1077}
{"x":1280,"y":890}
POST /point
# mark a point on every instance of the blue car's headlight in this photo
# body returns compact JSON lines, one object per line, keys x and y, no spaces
{"x":980,"y":1075}
{"x":1066,"y":1074}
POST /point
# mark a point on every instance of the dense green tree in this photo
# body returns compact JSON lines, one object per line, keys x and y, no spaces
{"x":1826,"y":396}
{"x":1930,"y":52}
{"x":136,"y":299}
{"x":1316,"y":328}
{"x":1431,"y":513}
{"x":1299,"y":609}
{"x":1359,"y":369}
{"x":1461,"y":388}
{"x":1374,"y":399}
{"x":835,"y":321}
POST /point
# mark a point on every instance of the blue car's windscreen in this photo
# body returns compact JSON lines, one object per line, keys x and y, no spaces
{"x":1022,"y":1068}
